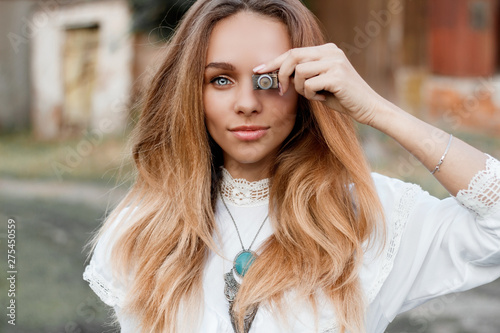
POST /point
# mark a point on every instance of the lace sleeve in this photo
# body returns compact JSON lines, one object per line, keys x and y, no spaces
{"x":102,"y":288}
{"x":98,"y":273}
{"x":483,"y":194}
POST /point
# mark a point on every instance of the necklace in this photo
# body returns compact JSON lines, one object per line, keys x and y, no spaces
{"x":245,"y":258}
{"x":241,"y":263}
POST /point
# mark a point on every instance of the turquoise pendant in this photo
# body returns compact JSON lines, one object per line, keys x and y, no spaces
{"x":243,"y":261}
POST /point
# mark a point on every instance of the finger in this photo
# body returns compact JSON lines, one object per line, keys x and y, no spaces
{"x":300,"y":54}
{"x":305,"y":71}
{"x":316,"y":88}
{"x":287,"y":61}
{"x":272,"y":65}
{"x":296,"y":58}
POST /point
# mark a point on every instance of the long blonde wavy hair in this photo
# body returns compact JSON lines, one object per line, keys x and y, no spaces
{"x":324,"y":205}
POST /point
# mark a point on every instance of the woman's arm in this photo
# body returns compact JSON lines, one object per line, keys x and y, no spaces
{"x":428,"y":144}
{"x":324,"y":73}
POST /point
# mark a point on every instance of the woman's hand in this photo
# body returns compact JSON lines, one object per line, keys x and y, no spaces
{"x":323,"y":73}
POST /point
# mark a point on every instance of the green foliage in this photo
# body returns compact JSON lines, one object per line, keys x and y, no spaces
{"x":159,"y":17}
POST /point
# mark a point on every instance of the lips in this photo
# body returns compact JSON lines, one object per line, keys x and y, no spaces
{"x":249,"y":132}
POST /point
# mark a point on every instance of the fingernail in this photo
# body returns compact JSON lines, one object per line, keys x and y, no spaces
{"x":280,"y":89}
{"x":260,"y":67}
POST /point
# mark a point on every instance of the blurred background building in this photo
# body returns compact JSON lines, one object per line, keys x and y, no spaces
{"x":435,"y":58}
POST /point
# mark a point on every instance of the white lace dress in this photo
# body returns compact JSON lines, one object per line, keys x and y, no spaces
{"x":433,"y":247}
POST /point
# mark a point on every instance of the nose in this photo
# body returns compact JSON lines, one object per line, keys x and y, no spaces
{"x":247,"y":100}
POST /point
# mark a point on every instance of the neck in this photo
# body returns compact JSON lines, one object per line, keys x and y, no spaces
{"x":248,"y":171}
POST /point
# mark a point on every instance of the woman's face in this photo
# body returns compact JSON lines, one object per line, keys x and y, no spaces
{"x":249,"y":125}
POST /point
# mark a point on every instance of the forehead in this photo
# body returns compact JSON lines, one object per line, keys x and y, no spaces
{"x":247,"y":39}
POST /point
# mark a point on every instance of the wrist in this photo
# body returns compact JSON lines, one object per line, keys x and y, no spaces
{"x":388,"y":118}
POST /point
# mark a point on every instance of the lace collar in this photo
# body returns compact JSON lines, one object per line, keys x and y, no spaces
{"x":240,"y":192}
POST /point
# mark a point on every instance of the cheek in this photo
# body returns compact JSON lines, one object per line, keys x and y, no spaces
{"x":211,"y":110}
{"x":284,"y":119}
{"x":288,"y":112}
{"x":216,"y":102}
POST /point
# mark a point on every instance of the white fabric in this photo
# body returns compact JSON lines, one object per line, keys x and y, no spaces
{"x":433,"y":247}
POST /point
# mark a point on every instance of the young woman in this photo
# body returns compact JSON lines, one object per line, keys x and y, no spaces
{"x":254,"y":210}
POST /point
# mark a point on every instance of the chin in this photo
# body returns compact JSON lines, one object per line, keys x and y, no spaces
{"x":243,"y":158}
{"x":247,"y":160}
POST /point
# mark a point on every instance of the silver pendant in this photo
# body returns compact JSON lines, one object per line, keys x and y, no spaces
{"x":231,"y":286}
{"x":230,"y":291}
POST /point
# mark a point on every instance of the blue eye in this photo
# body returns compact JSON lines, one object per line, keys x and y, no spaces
{"x":220,"y":81}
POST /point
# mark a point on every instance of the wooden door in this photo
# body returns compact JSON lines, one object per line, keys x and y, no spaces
{"x":79,"y":67}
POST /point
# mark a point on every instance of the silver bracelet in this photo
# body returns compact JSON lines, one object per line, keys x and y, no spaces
{"x":436,"y":169}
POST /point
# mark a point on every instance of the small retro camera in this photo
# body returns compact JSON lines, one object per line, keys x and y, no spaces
{"x":265,"y":81}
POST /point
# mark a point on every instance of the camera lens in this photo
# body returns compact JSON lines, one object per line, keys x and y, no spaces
{"x":265,"y":81}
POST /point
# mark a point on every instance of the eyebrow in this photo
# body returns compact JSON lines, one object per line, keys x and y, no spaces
{"x":221,"y":65}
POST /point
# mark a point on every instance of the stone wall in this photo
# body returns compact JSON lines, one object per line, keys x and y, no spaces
{"x":14,"y":65}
